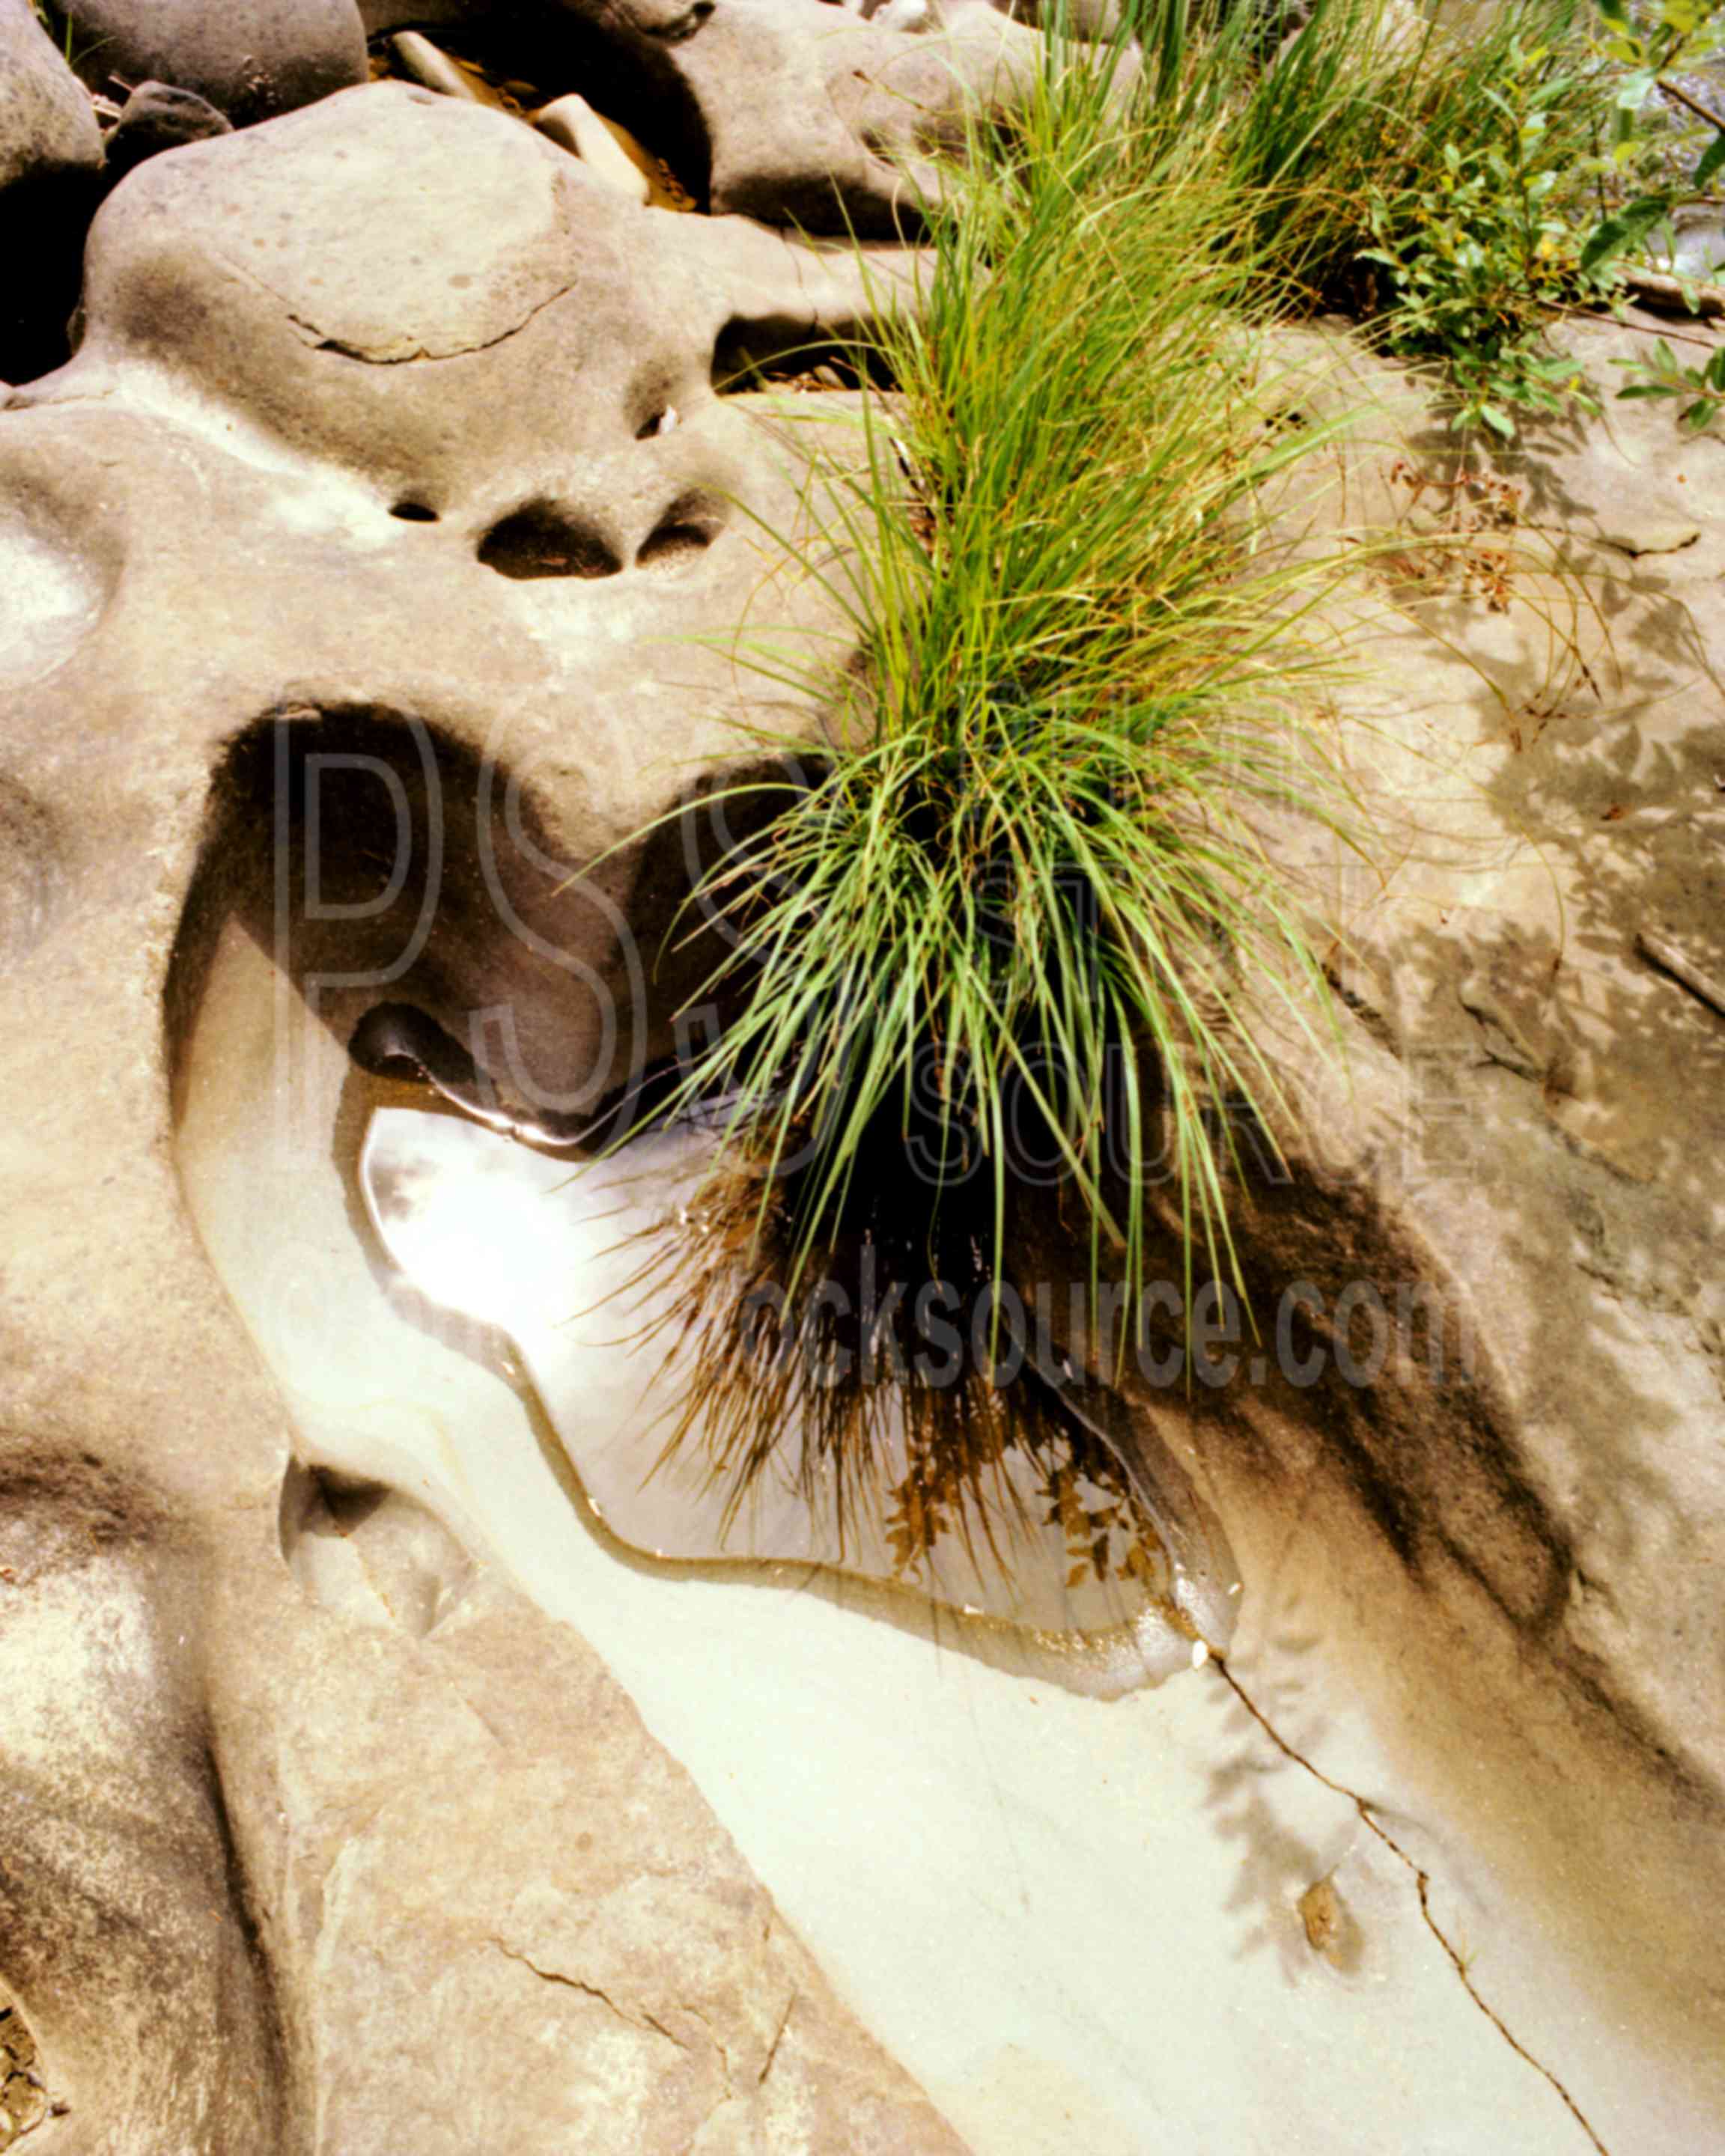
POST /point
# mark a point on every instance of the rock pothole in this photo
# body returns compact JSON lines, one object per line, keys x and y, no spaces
{"x":544,"y":540}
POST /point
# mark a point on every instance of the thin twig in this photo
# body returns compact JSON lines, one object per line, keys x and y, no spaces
{"x":1671,"y":958}
{"x":1664,"y":294}
{"x":1567,"y":313}
{"x":1675,"y":90}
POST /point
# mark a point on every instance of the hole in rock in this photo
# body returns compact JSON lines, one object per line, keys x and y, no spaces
{"x":756,"y":352}
{"x":543,"y":541}
{"x":687,"y":23}
{"x":676,"y":542}
{"x":369,"y":1551}
{"x":529,"y":58}
{"x":414,"y":513}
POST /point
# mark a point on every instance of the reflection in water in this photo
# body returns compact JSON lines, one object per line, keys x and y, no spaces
{"x":558,"y":1254}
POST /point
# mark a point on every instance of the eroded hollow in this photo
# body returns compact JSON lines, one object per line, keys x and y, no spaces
{"x":371,"y":1552}
{"x":56,"y":580}
{"x":370,"y":1312}
{"x":680,"y":539}
{"x":544,"y":540}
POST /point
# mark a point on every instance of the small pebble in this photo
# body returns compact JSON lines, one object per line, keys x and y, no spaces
{"x":1321,"y":1913}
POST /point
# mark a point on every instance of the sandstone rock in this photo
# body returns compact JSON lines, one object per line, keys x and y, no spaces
{"x":158,"y":117}
{"x":249,"y":57}
{"x":140,"y":1981}
{"x":46,"y":126}
{"x":50,"y":155}
{"x":793,"y":111}
{"x":289,"y":1849}
{"x":486,"y":1805}
{"x":363,"y":490}
{"x":344,"y":352}
{"x":912,"y":15}
{"x":815,"y":119}
{"x":1532,"y":1147}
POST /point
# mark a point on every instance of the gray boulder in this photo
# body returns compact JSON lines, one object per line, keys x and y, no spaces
{"x":47,"y":125}
{"x":158,"y":117}
{"x":251,"y":59}
{"x":793,"y":111}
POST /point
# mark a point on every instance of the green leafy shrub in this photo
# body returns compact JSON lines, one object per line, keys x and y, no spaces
{"x":1647,"y":49}
{"x":1483,"y":251}
{"x":1436,"y":183}
{"x":1365,"y":104}
{"x":1700,"y":389}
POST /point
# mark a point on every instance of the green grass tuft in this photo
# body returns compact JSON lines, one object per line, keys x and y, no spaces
{"x":1034,"y":873}
{"x":1026,"y":905}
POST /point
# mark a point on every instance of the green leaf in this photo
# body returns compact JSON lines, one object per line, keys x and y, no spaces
{"x":1498,"y":421}
{"x":1699,"y":417}
{"x":1650,"y":389}
{"x":1617,"y":234}
{"x":1714,"y":376}
{"x":1711,"y":160}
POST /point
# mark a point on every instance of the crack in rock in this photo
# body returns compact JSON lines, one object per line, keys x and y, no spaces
{"x":321,"y":339}
{"x":643,"y":2021}
{"x":784,"y":2023}
{"x":1422,"y":1884}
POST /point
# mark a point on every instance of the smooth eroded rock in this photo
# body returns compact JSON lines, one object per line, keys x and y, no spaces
{"x":251,"y":59}
{"x":310,"y":1828}
{"x":158,"y":117}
